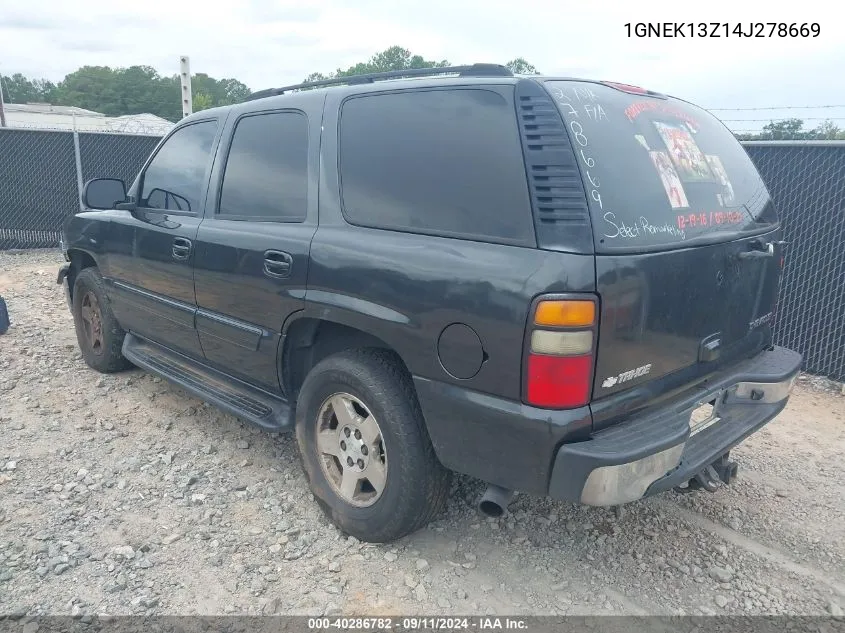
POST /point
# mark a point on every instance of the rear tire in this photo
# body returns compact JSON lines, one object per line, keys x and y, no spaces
{"x":399,"y":484}
{"x":98,"y":333}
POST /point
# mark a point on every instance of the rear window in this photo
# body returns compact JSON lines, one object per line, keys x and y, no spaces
{"x":659,"y":172}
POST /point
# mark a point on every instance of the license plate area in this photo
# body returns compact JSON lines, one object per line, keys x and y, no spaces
{"x":705,"y":415}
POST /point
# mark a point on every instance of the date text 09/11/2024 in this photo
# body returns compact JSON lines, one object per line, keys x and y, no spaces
{"x":722,"y":29}
{"x":388,"y":623}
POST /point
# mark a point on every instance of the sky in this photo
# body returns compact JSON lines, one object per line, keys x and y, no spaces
{"x":267,"y":43}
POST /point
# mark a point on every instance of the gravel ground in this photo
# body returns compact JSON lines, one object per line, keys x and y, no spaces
{"x":123,"y":495}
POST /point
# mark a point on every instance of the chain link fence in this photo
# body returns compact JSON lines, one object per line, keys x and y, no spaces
{"x":41,"y":173}
{"x":40,"y":183}
{"x":807,"y":182}
{"x":114,"y":155}
{"x":38,"y":186}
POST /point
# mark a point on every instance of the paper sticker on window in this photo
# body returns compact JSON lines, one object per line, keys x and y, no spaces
{"x":688,"y":159}
{"x":669,"y":178}
{"x":727,"y":196}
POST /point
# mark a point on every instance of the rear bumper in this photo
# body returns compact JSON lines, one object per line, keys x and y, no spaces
{"x":499,"y":441}
{"x":655,"y":451}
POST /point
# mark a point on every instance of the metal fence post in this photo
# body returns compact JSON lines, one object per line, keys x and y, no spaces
{"x":77,"y":156}
{"x":187,"y":95}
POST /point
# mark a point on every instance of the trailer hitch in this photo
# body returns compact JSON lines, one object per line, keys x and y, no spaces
{"x":722,"y":470}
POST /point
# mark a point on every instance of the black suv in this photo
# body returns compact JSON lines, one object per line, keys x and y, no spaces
{"x":558,"y":286}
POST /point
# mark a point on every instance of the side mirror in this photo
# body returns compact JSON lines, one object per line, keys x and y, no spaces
{"x":103,"y":193}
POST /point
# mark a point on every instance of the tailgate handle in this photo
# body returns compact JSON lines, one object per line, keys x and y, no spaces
{"x":761,"y":250}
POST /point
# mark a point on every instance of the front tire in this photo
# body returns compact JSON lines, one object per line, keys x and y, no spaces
{"x":98,"y":333}
{"x":365,"y":449}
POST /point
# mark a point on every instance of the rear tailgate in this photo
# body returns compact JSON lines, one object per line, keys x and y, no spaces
{"x":686,"y":237}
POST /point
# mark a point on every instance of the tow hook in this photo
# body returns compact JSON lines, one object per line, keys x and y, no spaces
{"x":723,"y":469}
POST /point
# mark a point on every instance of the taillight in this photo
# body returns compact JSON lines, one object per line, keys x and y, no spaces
{"x":559,"y":361}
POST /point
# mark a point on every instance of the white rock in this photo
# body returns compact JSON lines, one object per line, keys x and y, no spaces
{"x":420,"y":593}
{"x":720,"y":574}
{"x":124,"y":551}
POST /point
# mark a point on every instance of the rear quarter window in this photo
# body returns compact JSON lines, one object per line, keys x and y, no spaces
{"x":659,"y":172}
{"x":444,"y":162}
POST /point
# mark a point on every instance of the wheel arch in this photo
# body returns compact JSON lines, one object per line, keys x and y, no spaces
{"x":79,"y":260}
{"x":308,"y":340}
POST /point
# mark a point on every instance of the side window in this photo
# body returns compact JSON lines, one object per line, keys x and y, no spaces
{"x":447,"y":162}
{"x":266,"y":176}
{"x":176,"y":177}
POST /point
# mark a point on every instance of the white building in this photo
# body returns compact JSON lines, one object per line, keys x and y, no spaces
{"x":44,"y":116}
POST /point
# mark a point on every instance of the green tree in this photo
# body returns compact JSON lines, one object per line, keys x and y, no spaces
{"x":120,"y":91}
{"x":828,"y":130}
{"x":793,"y":130}
{"x":221,"y":91}
{"x":202,"y":101}
{"x":90,"y":87}
{"x":20,"y":89}
{"x":398,"y":58}
{"x":138,"y":89}
{"x":785,"y":130}
{"x":519,"y":66}
{"x":393,"y":58}
{"x":231,"y":91}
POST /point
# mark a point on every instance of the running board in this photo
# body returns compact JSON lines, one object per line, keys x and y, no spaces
{"x":249,"y":403}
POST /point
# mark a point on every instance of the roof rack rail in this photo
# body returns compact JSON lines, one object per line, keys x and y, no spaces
{"x":473,"y":70}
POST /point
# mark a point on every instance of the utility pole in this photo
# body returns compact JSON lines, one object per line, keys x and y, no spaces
{"x":187,"y":97}
{"x":2,"y":105}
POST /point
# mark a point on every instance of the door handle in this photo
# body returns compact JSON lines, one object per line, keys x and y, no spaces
{"x":181,"y":248}
{"x":277,"y":264}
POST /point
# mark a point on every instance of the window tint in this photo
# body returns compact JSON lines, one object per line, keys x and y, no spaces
{"x":266,"y":174}
{"x":438,"y":161}
{"x":176,"y":177}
